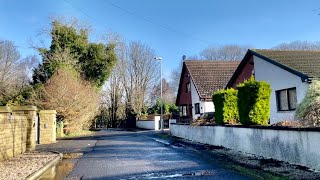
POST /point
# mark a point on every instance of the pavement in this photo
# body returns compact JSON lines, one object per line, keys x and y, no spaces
{"x":120,"y":154}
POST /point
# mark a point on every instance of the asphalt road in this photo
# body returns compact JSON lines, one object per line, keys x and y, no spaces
{"x":113,"y":154}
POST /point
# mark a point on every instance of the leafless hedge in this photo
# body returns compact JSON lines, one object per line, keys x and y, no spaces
{"x":75,"y":100}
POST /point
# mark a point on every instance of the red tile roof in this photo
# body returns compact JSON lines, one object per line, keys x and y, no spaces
{"x":210,"y":76}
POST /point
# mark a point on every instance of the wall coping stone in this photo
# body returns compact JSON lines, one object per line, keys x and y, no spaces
{"x":5,"y":109}
{"x":24,"y":108}
{"x":281,"y":128}
{"x":48,"y":112}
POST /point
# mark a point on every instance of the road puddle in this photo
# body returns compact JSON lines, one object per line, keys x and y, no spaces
{"x":63,"y":168}
{"x":165,"y":176}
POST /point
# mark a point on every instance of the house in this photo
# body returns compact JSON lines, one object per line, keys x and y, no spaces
{"x":288,"y":72}
{"x":199,"y":79}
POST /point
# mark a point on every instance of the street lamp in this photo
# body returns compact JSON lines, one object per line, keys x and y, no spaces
{"x":161,"y":103}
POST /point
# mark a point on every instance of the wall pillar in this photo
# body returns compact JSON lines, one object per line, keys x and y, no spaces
{"x":6,"y":138}
{"x":30,"y":112}
{"x":47,"y":126}
{"x":157,"y":123}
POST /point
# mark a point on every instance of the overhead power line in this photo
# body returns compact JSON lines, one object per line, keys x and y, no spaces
{"x":78,"y":9}
{"x":139,"y":17}
{"x":157,"y":24}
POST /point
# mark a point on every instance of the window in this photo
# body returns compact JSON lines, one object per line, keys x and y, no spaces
{"x":188,"y":87}
{"x":183,"y":111}
{"x":197,"y":108}
{"x":286,"y":99}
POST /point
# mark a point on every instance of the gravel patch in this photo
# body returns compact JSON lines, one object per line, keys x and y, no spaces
{"x":22,"y":166}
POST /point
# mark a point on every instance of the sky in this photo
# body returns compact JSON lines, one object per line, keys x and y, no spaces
{"x":173,"y":28}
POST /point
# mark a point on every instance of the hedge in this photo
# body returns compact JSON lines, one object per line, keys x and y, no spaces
{"x":308,"y":111}
{"x":254,"y":102}
{"x":226,"y":106}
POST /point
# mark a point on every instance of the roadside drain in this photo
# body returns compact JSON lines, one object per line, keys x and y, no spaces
{"x":63,"y":168}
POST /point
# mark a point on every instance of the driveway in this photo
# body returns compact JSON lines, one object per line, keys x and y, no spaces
{"x":115,"y":154}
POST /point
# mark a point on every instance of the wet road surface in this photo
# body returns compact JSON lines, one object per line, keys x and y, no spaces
{"x":138,"y":155}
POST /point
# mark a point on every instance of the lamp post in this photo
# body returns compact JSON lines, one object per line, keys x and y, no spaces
{"x":161,"y":103}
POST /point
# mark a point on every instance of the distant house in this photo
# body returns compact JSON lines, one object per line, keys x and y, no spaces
{"x":199,"y":79}
{"x":288,"y":72}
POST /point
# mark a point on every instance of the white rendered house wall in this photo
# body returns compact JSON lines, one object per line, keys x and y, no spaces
{"x":194,"y":99}
{"x":278,"y":79}
{"x":204,"y":106}
{"x":207,"y":106}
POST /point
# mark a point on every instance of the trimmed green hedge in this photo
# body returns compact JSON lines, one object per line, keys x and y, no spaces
{"x":226,"y":106}
{"x":254,"y":102}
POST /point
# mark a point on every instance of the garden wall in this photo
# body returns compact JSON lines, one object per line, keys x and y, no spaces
{"x":13,"y":134}
{"x":18,"y":129}
{"x":294,"y":146}
{"x":152,"y":124}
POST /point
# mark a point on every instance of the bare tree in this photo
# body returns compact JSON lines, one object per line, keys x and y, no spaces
{"x":175,"y":77}
{"x":168,"y":93}
{"x":140,"y":73}
{"x":15,"y":73}
{"x":298,"y":45}
{"x":136,"y":73}
{"x":226,"y":52}
{"x":113,"y":95}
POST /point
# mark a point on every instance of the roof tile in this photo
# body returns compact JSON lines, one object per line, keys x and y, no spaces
{"x":210,"y":76}
{"x":306,"y":62}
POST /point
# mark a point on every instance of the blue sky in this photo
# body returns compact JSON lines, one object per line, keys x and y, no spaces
{"x":171,"y":27}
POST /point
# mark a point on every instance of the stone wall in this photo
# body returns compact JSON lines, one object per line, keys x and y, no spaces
{"x":30,"y":112}
{"x":13,"y":133}
{"x":18,"y":129}
{"x":297,"y":146}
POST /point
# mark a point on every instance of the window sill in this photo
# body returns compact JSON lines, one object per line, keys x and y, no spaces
{"x":288,"y":111}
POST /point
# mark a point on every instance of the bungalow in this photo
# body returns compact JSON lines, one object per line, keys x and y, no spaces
{"x":199,"y":79}
{"x":288,"y":72}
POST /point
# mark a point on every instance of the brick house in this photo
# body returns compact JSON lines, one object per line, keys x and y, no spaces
{"x":198,"y":80}
{"x":288,"y":72}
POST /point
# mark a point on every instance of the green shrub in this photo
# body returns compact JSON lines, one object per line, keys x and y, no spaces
{"x":168,"y":108}
{"x":254,"y":102}
{"x":308,"y":111}
{"x":226,"y":106}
